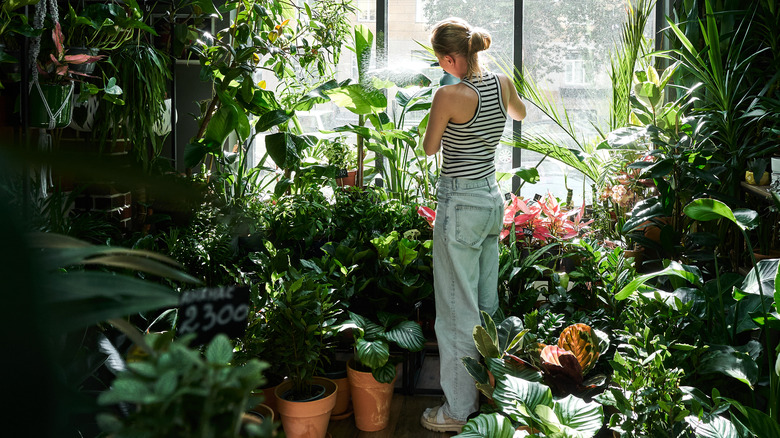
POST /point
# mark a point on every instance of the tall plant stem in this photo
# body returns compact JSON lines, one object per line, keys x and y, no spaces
{"x":359,"y":172}
{"x":773,"y":409}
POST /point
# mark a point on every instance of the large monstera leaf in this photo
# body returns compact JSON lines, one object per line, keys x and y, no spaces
{"x":582,"y":343}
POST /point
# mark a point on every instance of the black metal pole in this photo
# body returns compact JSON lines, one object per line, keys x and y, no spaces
{"x":517,"y":153}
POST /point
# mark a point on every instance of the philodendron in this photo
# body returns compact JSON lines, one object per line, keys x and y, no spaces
{"x":372,"y":341}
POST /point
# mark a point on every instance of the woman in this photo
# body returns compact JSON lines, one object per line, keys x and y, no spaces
{"x":466,"y":122}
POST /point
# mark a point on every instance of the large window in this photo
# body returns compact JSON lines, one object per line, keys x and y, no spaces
{"x":566,"y":47}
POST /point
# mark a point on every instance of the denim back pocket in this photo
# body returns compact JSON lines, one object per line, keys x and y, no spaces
{"x":473,"y":224}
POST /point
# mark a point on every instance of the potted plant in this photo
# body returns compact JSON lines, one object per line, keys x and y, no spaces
{"x":372,"y":373}
{"x":143,"y":72}
{"x":342,"y":158}
{"x":177,"y":392}
{"x":51,"y":98}
{"x":301,"y":321}
{"x":757,"y":166}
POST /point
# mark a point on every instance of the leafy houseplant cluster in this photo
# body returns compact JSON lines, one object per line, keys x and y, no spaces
{"x":589,"y":339}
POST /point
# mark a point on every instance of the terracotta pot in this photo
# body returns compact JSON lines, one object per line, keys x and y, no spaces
{"x":773,"y":254}
{"x":651,"y":229}
{"x":269,"y":399}
{"x":370,"y":399}
{"x":347,"y":181}
{"x":343,"y":395}
{"x":264,"y":411}
{"x":306,"y":419}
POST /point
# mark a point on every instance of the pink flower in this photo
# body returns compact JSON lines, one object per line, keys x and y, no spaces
{"x":427,"y":213}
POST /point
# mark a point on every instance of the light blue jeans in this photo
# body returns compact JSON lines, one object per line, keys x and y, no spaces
{"x":469,"y":217}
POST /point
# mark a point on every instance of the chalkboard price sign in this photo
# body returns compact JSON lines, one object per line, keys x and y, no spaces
{"x":207,"y":312}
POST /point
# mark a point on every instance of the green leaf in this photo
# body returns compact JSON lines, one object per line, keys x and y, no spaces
{"x":373,"y":354}
{"x":490,"y":328}
{"x":272,"y":118}
{"x":219,"y":351}
{"x":408,"y":335}
{"x":765,"y":273}
{"x":759,"y":423}
{"x":484,"y":343}
{"x":492,"y":425}
{"x":364,"y":39}
{"x":675,"y":269}
{"x":731,"y":363}
{"x":711,"y":209}
{"x":282,"y":149}
{"x":87,"y":298}
{"x":125,"y":389}
{"x":510,"y":334}
{"x":385,"y":373}
{"x":578,"y":417}
{"x":531,"y":394}
{"x":166,"y":384}
{"x":222,"y":123}
{"x":477,"y":371}
{"x":712,"y":426}
{"x":358,"y":99}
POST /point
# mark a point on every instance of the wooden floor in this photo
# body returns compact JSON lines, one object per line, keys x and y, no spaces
{"x":405,"y":410}
{"x":405,"y":413}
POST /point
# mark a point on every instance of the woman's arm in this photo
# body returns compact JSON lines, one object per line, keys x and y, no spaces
{"x":437,"y":121}
{"x":515,"y":107}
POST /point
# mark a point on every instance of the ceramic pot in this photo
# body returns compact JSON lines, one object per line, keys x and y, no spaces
{"x":370,"y":399}
{"x":306,"y":419}
{"x":84,"y":113}
{"x":59,"y":101}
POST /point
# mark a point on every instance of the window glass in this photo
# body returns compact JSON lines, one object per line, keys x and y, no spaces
{"x":410,"y":22}
{"x":366,"y":10}
{"x":566,"y":50}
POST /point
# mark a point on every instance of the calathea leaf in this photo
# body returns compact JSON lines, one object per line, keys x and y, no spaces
{"x":373,"y":354}
{"x":408,"y":335}
{"x":492,"y":425}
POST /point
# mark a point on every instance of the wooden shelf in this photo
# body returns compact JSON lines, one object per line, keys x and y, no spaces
{"x":760,"y":191}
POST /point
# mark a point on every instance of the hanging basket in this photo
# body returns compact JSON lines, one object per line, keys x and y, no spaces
{"x":51,"y":105}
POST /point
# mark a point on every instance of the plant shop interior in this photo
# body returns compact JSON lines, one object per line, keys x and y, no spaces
{"x":218,"y":217}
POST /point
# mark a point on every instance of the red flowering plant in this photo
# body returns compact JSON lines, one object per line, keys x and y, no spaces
{"x":57,"y":69}
{"x":542,"y":221}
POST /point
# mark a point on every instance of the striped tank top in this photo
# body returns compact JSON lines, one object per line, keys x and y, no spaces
{"x":469,"y":149}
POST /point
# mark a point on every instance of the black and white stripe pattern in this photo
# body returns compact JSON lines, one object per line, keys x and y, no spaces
{"x":469,"y":149}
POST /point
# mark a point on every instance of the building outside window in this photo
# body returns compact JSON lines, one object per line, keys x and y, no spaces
{"x":366,"y":10}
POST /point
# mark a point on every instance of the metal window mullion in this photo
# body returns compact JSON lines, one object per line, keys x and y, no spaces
{"x":517,"y":56}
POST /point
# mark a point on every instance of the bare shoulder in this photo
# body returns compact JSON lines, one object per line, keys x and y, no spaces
{"x":505,"y":81}
{"x":454,"y":91}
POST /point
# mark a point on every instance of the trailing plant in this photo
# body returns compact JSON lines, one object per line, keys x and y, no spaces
{"x":143,"y":73}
